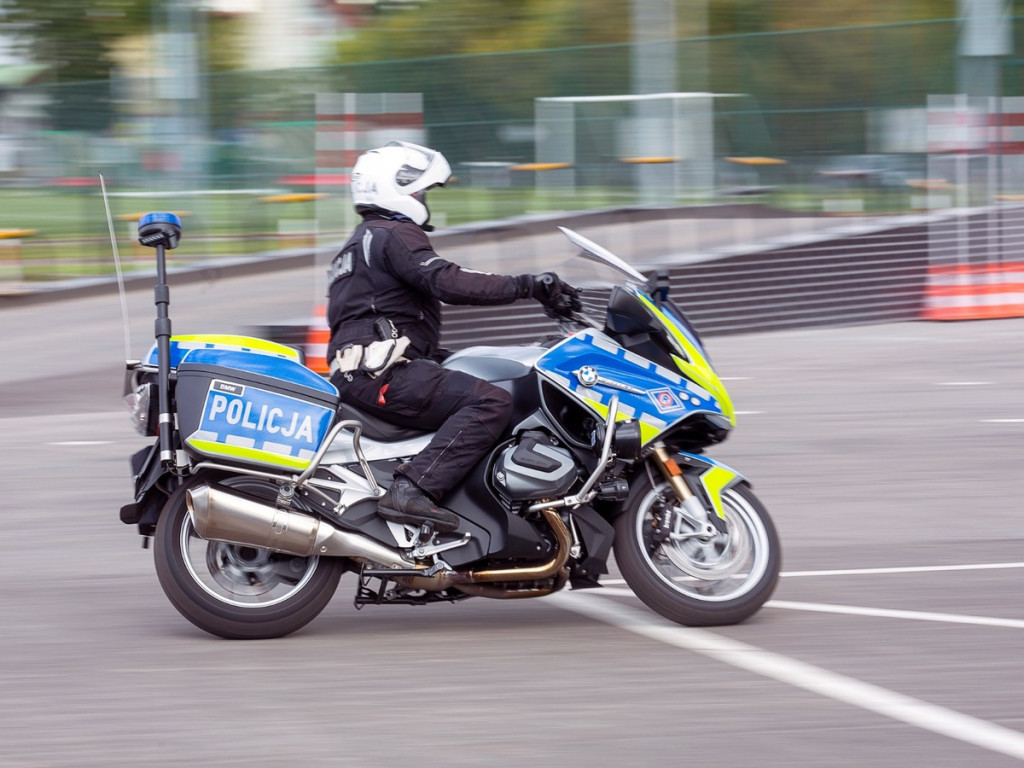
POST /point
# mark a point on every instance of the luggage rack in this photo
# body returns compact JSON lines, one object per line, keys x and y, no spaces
{"x":291,"y":482}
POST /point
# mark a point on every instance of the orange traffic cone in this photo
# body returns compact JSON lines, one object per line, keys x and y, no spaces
{"x":317,"y":337}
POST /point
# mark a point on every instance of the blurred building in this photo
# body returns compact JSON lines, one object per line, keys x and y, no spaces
{"x":20,"y":110}
{"x":283,"y":34}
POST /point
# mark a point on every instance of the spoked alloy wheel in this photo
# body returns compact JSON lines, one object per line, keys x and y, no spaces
{"x":699,"y":581}
{"x":237,"y":591}
{"x":244,"y":576}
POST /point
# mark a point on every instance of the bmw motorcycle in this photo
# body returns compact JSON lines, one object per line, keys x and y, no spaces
{"x":260,"y":490}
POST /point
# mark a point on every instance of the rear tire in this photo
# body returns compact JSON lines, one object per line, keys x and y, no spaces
{"x":238,"y":592}
{"x":696,"y":582}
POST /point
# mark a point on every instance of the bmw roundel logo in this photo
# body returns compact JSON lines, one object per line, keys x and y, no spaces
{"x":587,"y":375}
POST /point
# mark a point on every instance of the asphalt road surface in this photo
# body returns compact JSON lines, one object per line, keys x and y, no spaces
{"x":891,"y":457}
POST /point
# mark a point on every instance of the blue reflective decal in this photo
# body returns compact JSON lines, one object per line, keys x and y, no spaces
{"x":655,"y":396}
{"x":263,"y":365}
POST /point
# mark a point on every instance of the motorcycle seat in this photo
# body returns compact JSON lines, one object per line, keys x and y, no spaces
{"x":376,"y":428}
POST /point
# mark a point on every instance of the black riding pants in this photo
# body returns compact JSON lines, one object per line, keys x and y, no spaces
{"x":468,"y":414}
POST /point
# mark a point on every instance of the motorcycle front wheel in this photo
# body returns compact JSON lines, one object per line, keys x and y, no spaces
{"x":234,"y":591}
{"x":698,"y":581}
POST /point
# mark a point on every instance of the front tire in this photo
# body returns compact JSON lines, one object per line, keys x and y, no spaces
{"x":234,"y":591}
{"x":698,"y":582}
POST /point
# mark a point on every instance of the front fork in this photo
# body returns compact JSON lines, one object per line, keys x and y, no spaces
{"x":690,"y":518}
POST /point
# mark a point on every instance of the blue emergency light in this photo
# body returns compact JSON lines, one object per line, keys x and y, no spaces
{"x":160,"y":228}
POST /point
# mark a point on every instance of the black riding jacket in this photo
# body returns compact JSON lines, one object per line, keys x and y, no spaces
{"x":388,"y":269}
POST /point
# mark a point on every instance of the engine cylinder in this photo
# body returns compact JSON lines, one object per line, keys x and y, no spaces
{"x":534,"y":468}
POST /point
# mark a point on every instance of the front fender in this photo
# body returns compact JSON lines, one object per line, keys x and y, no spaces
{"x":709,"y":478}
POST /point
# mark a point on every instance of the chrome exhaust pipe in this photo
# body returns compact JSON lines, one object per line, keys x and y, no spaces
{"x":219,"y":515}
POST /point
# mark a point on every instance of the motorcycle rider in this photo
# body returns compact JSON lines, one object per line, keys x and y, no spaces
{"x":385,"y":291}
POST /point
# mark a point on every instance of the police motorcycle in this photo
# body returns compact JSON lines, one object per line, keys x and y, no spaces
{"x":260,"y":490}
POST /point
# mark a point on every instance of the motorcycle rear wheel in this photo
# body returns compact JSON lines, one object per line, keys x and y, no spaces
{"x":695,"y":582}
{"x":234,"y":591}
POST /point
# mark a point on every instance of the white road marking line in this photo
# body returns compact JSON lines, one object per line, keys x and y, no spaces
{"x":870,"y":571}
{"x":856,"y":610}
{"x":1002,"y":421}
{"x":961,"y":383}
{"x":888,"y":613}
{"x":82,"y":442}
{"x":903,"y":569}
{"x":871,"y":698}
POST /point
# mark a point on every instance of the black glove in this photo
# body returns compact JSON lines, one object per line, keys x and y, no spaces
{"x":560,"y":298}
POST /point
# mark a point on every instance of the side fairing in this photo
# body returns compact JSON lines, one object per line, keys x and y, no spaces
{"x":593,"y":368}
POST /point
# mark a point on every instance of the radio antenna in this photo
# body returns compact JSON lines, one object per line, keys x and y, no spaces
{"x":120,"y":274}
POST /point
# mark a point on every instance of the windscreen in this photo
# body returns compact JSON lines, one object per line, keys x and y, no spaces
{"x":597,"y":271}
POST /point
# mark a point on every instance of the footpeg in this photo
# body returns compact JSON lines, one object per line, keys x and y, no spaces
{"x":427,"y":550}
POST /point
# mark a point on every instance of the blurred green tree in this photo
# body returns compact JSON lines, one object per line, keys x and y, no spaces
{"x":814,"y":63}
{"x":815,"y":68}
{"x":481,"y":63}
{"x":76,"y":39}
{"x":450,"y":27}
{"x":73,"y":37}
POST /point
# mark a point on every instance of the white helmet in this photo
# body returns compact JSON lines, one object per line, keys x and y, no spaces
{"x":396,"y":177}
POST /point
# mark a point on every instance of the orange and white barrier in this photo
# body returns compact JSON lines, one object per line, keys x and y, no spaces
{"x":317,"y":337}
{"x":974,"y":292}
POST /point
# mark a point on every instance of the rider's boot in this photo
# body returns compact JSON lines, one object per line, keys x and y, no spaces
{"x":406,"y":503}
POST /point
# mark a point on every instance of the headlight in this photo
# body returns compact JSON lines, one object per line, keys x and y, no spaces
{"x":141,"y":406}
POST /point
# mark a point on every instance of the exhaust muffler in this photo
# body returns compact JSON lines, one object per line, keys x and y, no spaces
{"x":219,"y":515}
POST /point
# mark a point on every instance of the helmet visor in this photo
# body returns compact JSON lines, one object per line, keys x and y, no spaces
{"x":424,"y":168}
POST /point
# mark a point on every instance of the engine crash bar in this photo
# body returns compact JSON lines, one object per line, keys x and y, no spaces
{"x":586,"y":493}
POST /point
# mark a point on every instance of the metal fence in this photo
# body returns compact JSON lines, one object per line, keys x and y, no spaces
{"x":808,"y":96}
{"x":822,"y":123}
